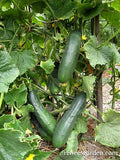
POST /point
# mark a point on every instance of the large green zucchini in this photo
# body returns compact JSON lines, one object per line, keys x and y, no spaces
{"x":67,"y":122}
{"x":43,"y":116}
{"x":70,"y":57}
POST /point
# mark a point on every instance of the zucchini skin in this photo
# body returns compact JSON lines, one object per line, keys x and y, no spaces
{"x":44,"y":117}
{"x":67,"y":122}
{"x":40,"y":130}
{"x":54,"y":87}
{"x":70,"y":57}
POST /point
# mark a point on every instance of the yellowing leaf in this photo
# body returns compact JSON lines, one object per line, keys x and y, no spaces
{"x":30,"y":157}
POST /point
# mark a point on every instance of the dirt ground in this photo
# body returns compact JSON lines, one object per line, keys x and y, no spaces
{"x":90,"y":149}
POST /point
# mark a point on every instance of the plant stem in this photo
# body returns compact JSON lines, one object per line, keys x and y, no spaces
{"x":17,"y":109}
{"x":97,"y":109}
{"x":93,"y":117}
{"x":41,"y":89}
{"x":88,"y":139}
{"x":61,"y":100}
{"x":1,"y":99}
{"x":12,"y":110}
{"x":50,"y":94}
{"x":52,"y":78}
{"x":12,"y":41}
{"x":49,"y":8}
{"x":48,"y":102}
{"x":59,"y":110}
{"x":113,"y":87}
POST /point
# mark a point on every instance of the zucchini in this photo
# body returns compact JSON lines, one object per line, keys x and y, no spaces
{"x":70,"y":57}
{"x":40,"y":130}
{"x":43,"y":116}
{"x":67,"y":122}
{"x":53,"y":86}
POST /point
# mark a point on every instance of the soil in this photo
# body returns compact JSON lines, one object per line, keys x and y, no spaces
{"x":90,"y":149}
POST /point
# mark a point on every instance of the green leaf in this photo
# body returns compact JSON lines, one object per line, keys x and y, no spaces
{"x":16,"y":95}
{"x":62,"y":9}
{"x":72,"y":143}
{"x":48,"y":66}
{"x":32,"y":138}
{"x":18,"y":15}
{"x":5,"y":3}
{"x":116,"y":5}
{"x":89,"y":10}
{"x":110,"y":116}
{"x":25,"y":120}
{"x":112,"y":16}
{"x":15,"y":125}
{"x":81,"y":125}
{"x":26,"y":109}
{"x":24,"y":60}
{"x":11,"y":147}
{"x":38,"y":6}
{"x":8,"y":71}
{"x":87,"y":85}
{"x":27,"y":2}
{"x":5,"y":119}
{"x":108,"y":133}
{"x":40,"y":155}
{"x":107,"y":54}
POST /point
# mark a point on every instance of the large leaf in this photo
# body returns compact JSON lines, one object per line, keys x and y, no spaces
{"x":5,"y":3}
{"x":111,"y":116}
{"x":23,"y":123}
{"x":81,"y":125}
{"x":108,"y":133}
{"x":106,"y":54}
{"x":27,"y":2}
{"x":87,"y":85}
{"x":38,"y":6}
{"x":5,"y":119}
{"x":41,"y":155}
{"x":89,"y":10}
{"x":16,"y":125}
{"x":24,"y":60}
{"x":25,"y":120}
{"x":11,"y":147}
{"x":112,"y":16}
{"x":62,"y":9}
{"x":8,"y":71}
{"x":16,"y":95}
{"x":116,"y":5}
{"x":72,"y":143}
{"x":16,"y":14}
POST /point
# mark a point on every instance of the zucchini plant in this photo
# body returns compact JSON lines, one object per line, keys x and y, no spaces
{"x":34,"y":37}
